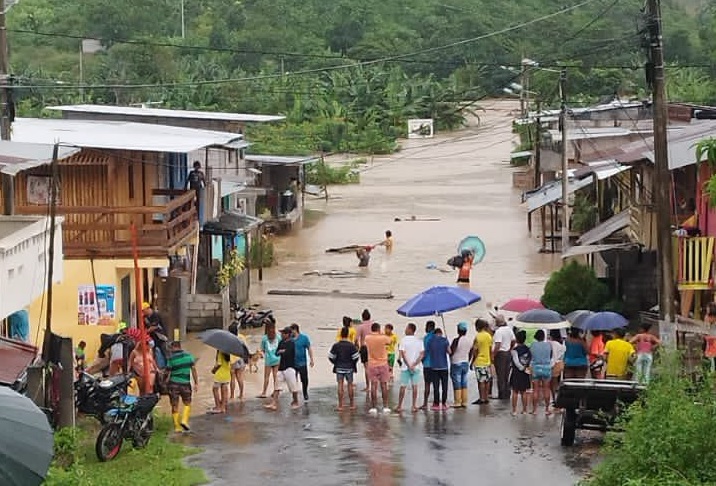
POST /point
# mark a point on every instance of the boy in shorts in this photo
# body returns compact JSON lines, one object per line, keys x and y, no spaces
{"x":182,"y":369}
{"x":344,"y":355}
{"x":392,"y":348}
{"x":481,"y":360}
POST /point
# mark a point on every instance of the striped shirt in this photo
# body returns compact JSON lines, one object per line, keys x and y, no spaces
{"x":180,"y":364}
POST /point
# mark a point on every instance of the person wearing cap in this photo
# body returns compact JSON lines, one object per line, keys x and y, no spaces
{"x":460,"y":365}
{"x":503,"y":341}
{"x":286,"y":352}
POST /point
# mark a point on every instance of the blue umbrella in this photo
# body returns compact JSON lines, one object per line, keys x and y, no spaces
{"x":437,"y":300}
{"x":604,"y":321}
{"x":475,"y":245}
{"x":541,"y":319}
{"x":577,"y":318}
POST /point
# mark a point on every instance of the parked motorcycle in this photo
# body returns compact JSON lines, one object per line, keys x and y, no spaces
{"x":132,"y":420}
{"x":96,"y":396}
{"x":249,"y":318}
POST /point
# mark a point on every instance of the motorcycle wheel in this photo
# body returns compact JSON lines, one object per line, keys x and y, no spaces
{"x":109,"y":442}
{"x":144,"y":432}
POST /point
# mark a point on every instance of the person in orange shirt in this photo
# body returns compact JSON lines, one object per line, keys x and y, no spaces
{"x":463,"y":275}
{"x":596,"y":355}
{"x":377,"y":367}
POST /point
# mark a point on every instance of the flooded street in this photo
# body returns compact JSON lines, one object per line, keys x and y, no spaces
{"x":463,"y":179}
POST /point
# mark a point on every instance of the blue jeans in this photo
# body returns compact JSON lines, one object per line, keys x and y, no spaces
{"x":458,"y":374}
{"x":643,"y":367}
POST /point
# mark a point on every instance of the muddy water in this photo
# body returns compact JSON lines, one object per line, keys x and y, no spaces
{"x":464,"y":180}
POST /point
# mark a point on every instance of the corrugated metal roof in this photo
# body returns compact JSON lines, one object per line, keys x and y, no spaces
{"x":228,"y":187}
{"x":605,"y":228}
{"x":281,"y":159}
{"x":15,"y":357}
{"x":118,"y":135}
{"x":589,"y":249}
{"x":604,"y":169}
{"x":521,"y":154}
{"x":167,"y":113}
{"x":17,"y":156}
{"x":552,"y":192}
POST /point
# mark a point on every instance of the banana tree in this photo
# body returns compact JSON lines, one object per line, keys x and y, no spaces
{"x":706,"y":151}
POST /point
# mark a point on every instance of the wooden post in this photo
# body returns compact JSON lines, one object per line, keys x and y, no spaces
{"x":261,"y":252}
{"x":66,"y":415}
{"x":8,"y":184}
{"x":140,"y":316}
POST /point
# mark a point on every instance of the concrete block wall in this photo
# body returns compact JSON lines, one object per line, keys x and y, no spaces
{"x":207,"y":311}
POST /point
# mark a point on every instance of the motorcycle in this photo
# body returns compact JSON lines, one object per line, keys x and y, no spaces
{"x":95,"y":396}
{"x":249,"y":318}
{"x":132,"y":420}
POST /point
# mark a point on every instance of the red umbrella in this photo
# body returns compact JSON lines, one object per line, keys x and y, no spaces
{"x":521,"y":305}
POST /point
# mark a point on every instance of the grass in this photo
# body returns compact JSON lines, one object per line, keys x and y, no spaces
{"x":161,"y":462}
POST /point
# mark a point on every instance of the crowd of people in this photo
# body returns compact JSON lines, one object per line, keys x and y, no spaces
{"x":525,"y":366}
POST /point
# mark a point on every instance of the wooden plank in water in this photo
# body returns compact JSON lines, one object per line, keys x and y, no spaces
{"x":333,"y":293}
{"x":346,"y":249}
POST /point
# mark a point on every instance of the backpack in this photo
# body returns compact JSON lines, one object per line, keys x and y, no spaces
{"x":456,"y":261}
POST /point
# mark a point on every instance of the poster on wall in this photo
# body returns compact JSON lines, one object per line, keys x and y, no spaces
{"x":38,"y":190}
{"x":96,"y":307}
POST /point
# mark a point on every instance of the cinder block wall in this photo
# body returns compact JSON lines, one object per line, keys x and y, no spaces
{"x":207,"y":311}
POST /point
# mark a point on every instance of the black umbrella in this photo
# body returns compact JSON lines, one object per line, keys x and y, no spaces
{"x":225,"y":342}
{"x":541,"y":319}
{"x":577,"y":318}
{"x":25,"y":440}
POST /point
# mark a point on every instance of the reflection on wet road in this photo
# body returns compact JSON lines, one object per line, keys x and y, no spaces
{"x":464,"y":180}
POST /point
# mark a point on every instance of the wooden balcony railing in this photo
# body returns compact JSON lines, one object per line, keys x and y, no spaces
{"x":104,"y":232}
{"x":694,"y":258}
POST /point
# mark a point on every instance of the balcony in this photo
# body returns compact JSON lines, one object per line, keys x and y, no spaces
{"x":693,"y":258}
{"x":105,"y":232}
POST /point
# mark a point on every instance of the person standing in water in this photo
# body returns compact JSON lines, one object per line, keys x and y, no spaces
{"x":363,"y":255}
{"x":463,"y":274}
{"x":388,"y":241}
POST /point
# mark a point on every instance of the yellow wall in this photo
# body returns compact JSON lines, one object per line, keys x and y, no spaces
{"x":66,"y":300}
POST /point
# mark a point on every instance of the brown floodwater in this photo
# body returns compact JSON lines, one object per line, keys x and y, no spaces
{"x":464,"y":179}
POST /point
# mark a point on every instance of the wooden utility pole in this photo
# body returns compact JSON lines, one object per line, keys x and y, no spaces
{"x":565,"y":165}
{"x":54,"y":180}
{"x":662,"y":180}
{"x":143,"y":336}
{"x":8,"y":189}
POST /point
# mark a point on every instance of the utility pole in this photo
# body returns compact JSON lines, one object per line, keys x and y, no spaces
{"x":8,"y":189}
{"x":565,"y":166}
{"x":662,"y":179}
{"x":523,"y":76}
{"x":538,"y":172}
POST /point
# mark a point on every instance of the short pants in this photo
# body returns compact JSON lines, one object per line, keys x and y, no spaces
{"x":483,"y":374}
{"x":239,"y":364}
{"x":379,"y":373}
{"x":288,"y":376}
{"x":363,"y":354}
{"x":410,"y":378}
{"x":217,"y":384}
{"x":541,"y":372}
{"x":391,"y":360}
{"x":344,"y":375}
{"x":179,"y":390}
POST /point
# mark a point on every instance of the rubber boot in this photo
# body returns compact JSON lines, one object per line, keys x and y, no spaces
{"x":464,"y":398}
{"x":177,"y":425}
{"x":185,"y":417}
{"x":457,"y":399}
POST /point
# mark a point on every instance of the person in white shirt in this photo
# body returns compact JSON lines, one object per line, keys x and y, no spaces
{"x":460,"y":365}
{"x":503,"y":342}
{"x":411,"y":351}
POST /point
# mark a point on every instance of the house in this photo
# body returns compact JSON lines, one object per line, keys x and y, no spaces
{"x":124,"y":179}
{"x":282,"y":180}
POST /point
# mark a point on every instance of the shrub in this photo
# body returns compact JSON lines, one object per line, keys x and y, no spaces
{"x":574,"y":287}
{"x":667,"y":436}
{"x":255,"y":253}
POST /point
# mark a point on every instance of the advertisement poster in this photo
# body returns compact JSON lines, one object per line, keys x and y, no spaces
{"x":96,"y":308}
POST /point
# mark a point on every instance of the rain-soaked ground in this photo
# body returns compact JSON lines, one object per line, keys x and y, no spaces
{"x":463,"y":179}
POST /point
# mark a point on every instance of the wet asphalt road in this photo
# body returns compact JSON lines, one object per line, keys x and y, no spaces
{"x":316,"y":446}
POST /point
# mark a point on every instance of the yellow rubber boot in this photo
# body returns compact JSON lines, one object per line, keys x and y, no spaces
{"x":185,"y":417}
{"x":177,"y":425}
{"x":464,"y":398}
{"x":457,"y":401}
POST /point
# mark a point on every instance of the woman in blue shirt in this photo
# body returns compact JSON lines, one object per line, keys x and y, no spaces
{"x":576,"y":360}
{"x":269,"y":346}
{"x":541,"y":371}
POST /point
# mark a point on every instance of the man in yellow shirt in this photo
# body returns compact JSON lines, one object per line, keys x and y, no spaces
{"x":352,"y":334}
{"x":618,"y":352}
{"x":481,"y":360}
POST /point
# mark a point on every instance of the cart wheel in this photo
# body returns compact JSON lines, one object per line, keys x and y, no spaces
{"x":568,"y":427}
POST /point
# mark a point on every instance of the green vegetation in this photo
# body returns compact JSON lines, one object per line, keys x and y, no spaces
{"x":233,"y":266}
{"x":75,"y":463}
{"x":584,"y":215}
{"x":666,"y":437}
{"x":323,"y":174}
{"x":706,"y":149}
{"x":259,"y":260}
{"x":346,"y":75}
{"x":575,"y":287}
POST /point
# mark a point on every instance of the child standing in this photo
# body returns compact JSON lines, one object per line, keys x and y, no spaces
{"x":80,"y":358}
{"x":392,"y":348}
{"x":222,"y":378}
